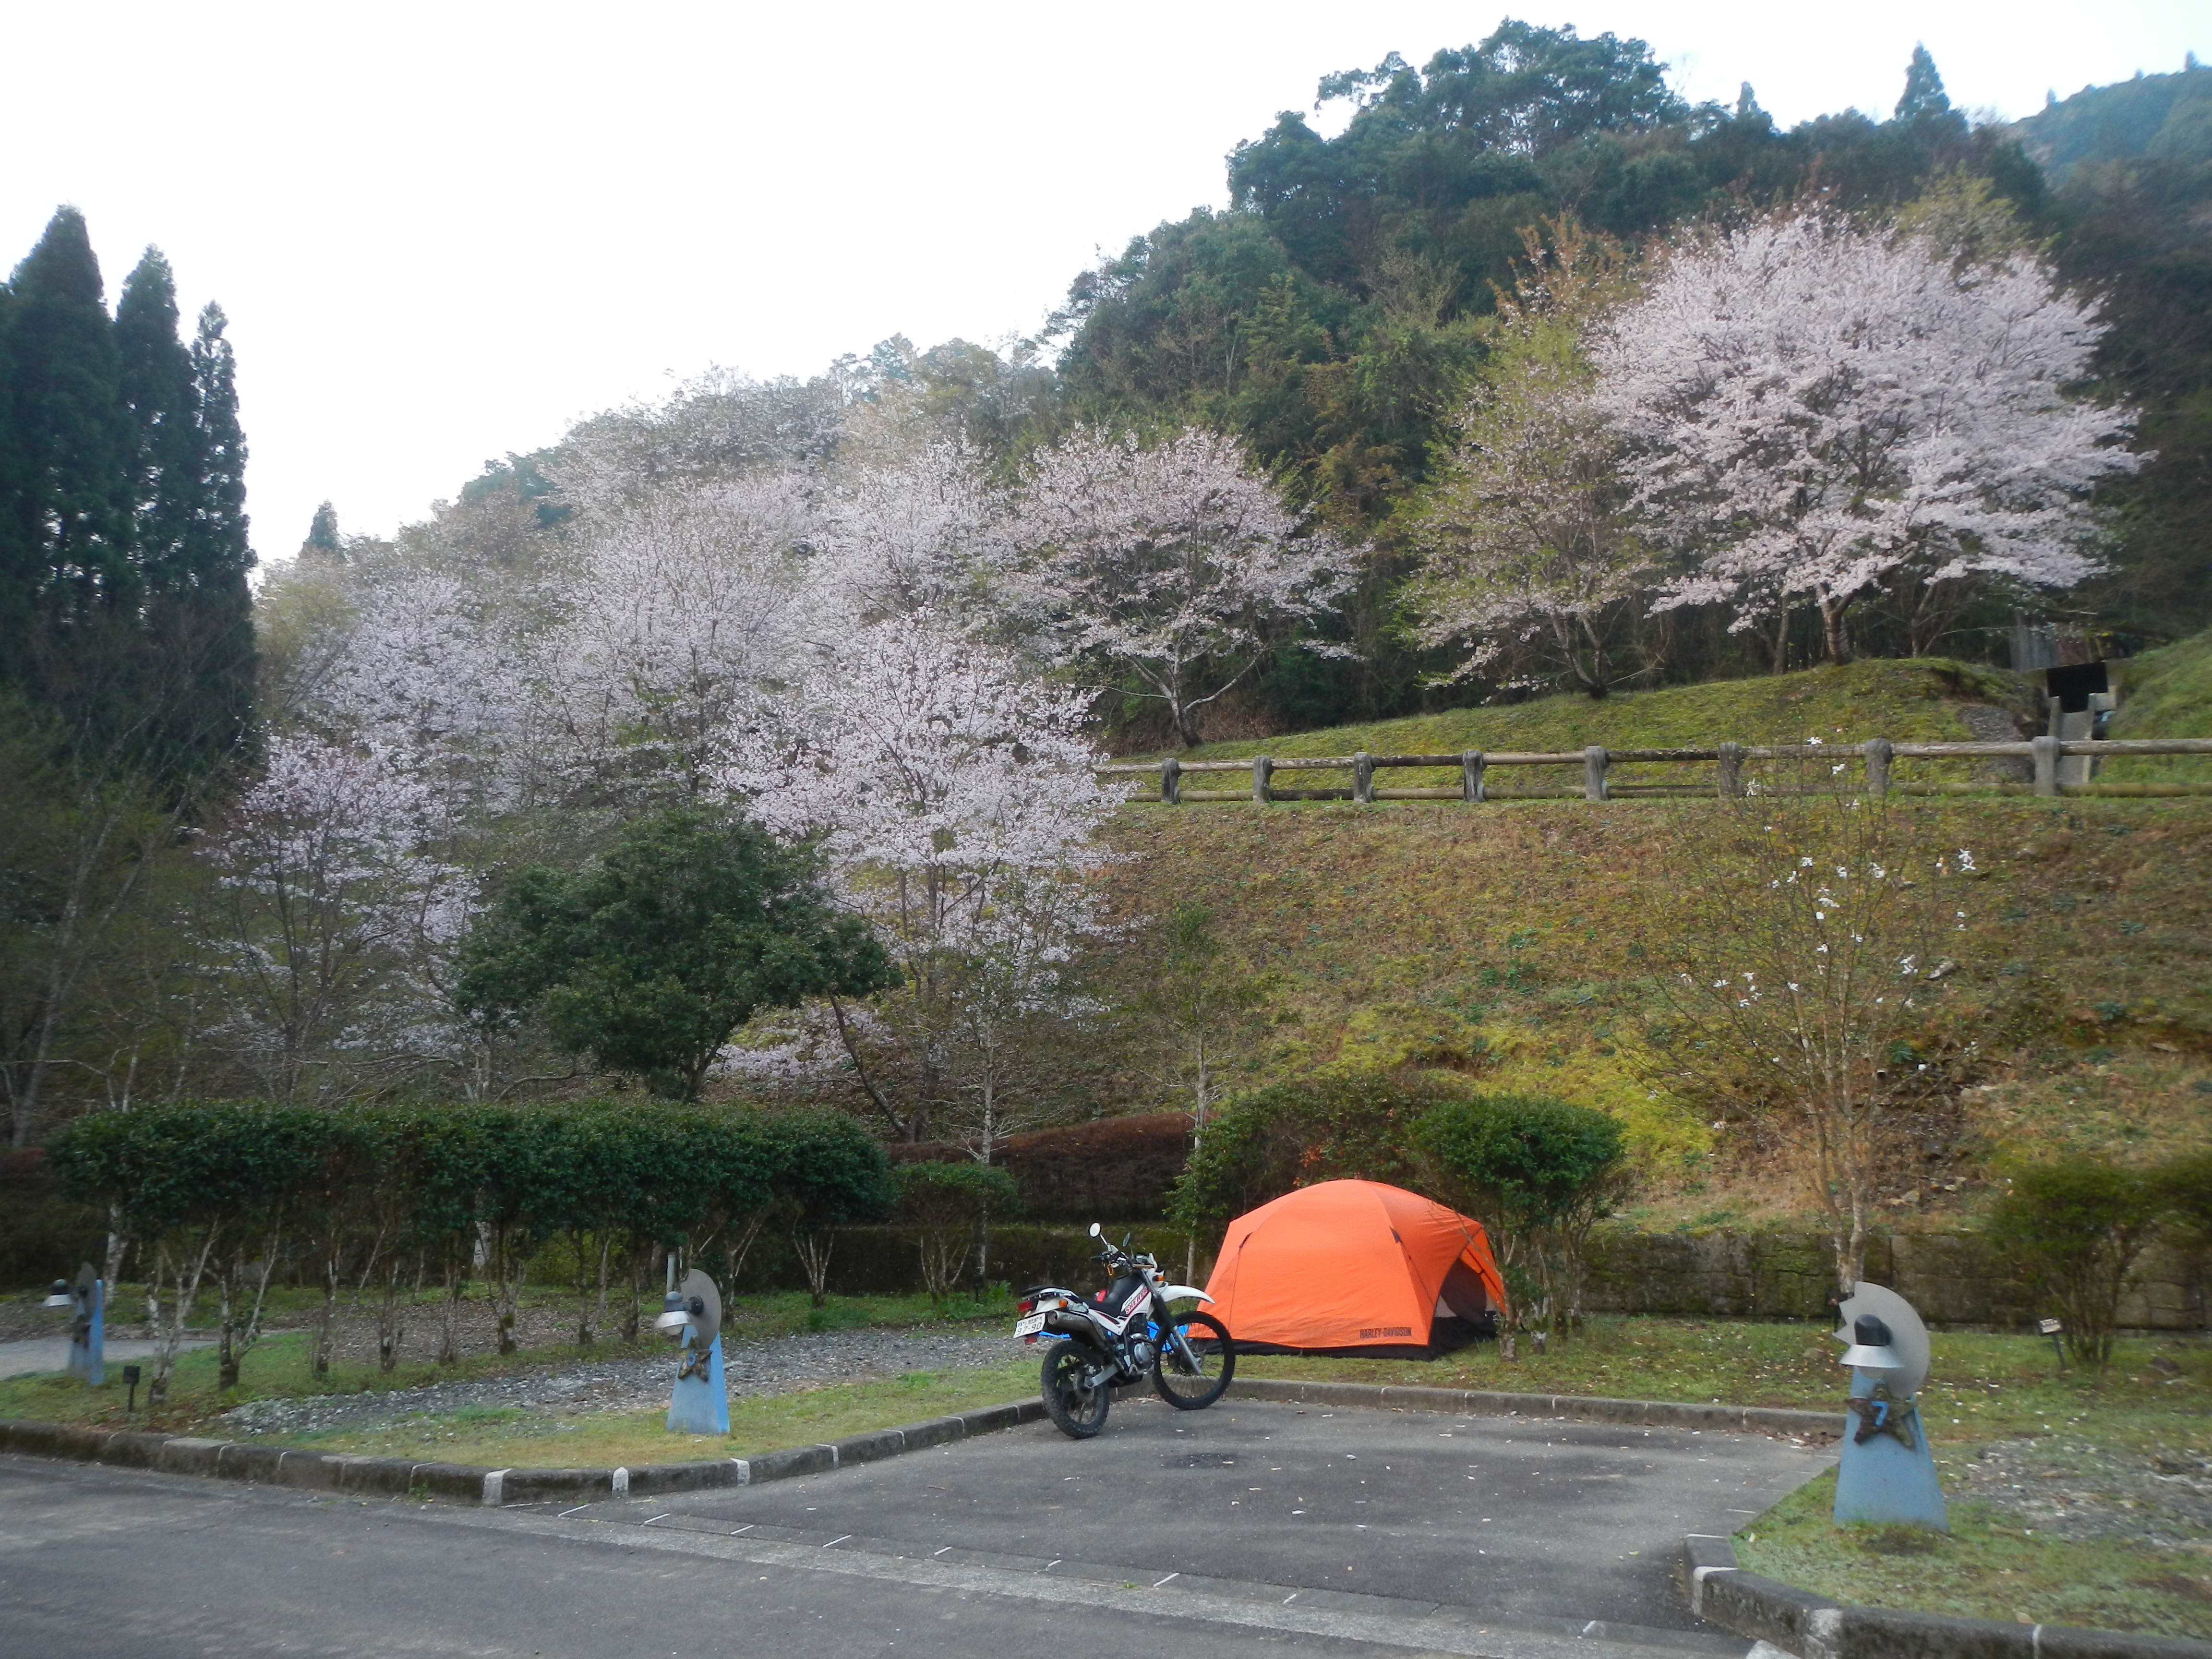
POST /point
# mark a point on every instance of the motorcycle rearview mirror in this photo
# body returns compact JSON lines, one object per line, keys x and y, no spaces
{"x":1095,"y":1232}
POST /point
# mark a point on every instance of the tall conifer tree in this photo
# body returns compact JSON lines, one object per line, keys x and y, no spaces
{"x":208,"y":616}
{"x":70,"y":434}
{"x":156,"y":380}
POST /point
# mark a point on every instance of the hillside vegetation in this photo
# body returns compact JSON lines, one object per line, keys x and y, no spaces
{"x":1504,"y":944}
{"x":2164,"y":694}
{"x":1921,"y":700}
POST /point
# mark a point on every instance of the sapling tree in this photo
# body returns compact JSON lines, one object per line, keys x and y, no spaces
{"x":1817,"y":408}
{"x":1806,"y":967}
{"x":1011,"y":977}
{"x":1173,"y":569}
{"x":945,"y":1204}
{"x":831,"y":1173}
{"x":954,"y":798}
{"x":1204,"y":1004}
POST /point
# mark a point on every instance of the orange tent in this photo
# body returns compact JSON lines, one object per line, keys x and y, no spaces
{"x":1355,"y":1268}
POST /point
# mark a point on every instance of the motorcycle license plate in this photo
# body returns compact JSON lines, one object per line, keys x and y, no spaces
{"x":1030,"y":1326}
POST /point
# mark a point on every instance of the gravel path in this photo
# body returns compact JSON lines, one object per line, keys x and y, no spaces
{"x":2076,"y":1489}
{"x":771,"y":1365}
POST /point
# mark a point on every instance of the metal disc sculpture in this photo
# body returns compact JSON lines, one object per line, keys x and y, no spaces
{"x":1886,"y":1472}
{"x":86,"y":1302}
{"x":693,"y":1314}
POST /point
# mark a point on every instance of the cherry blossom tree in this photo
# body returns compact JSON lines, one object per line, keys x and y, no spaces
{"x":951,"y":793}
{"x":677,"y":615}
{"x":431,"y":678}
{"x":901,"y":532}
{"x":334,"y":923}
{"x":1819,"y":408}
{"x":1177,"y":566}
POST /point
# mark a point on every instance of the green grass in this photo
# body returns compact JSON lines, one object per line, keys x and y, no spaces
{"x":1916,"y":700}
{"x":505,"y":1437}
{"x":277,"y":1367}
{"x":2166,"y":693}
{"x":1988,"y":1567}
{"x":1983,"y":1384}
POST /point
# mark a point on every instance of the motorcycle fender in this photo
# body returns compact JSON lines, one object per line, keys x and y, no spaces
{"x":1184,"y":1292}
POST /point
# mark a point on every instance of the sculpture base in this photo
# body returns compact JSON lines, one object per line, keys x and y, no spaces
{"x":85,"y":1355}
{"x":1888,"y":1477}
{"x":700,"y":1404}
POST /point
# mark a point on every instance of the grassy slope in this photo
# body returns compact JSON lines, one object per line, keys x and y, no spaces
{"x":2164,"y":694}
{"x":1916,"y":700}
{"x":1495,"y":941}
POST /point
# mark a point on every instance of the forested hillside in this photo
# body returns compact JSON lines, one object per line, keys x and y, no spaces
{"x":744,"y":744}
{"x":1345,"y":310}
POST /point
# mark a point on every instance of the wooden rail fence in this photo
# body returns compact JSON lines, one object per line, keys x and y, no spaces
{"x":2046,"y":757}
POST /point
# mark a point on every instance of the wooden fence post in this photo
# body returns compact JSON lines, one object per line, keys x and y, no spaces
{"x":2047,"y":764}
{"x":1363,"y":777}
{"x":1878,"y":753}
{"x":1262,"y":770}
{"x":1731,"y":768}
{"x":1594,"y":765}
{"x":1172,"y":781}
{"x":1470,"y":774}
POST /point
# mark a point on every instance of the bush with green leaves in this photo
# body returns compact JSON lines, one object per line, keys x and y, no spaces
{"x":2073,"y":1228}
{"x":647,"y":959}
{"x":200,"y":1187}
{"x":1538,"y":1173}
{"x":1266,"y":1141}
{"x":945,"y":1204}
{"x":385,"y":1195}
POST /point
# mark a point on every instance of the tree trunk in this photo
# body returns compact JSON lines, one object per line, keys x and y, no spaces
{"x":1835,"y":631}
{"x":814,"y":1247}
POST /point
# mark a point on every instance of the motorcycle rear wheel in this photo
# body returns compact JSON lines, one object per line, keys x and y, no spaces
{"x":1191,"y":1386}
{"x":1077,"y":1412}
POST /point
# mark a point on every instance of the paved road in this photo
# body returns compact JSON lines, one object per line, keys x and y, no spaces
{"x":1242,"y":1529}
{"x":36,"y":1356}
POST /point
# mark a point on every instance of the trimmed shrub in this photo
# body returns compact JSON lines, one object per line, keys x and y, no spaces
{"x":1264,"y":1143}
{"x":2075,"y":1228}
{"x":1115,"y":1169}
{"x":1539,"y":1173}
{"x":946,"y":1204}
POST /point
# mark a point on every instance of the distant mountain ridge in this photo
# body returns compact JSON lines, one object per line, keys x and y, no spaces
{"x":2151,"y":118}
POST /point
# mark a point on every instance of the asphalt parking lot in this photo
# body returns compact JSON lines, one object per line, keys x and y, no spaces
{"x":1251,"y":1525}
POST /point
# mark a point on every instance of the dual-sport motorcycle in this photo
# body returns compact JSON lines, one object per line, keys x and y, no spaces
{"x":1123,"y":1334}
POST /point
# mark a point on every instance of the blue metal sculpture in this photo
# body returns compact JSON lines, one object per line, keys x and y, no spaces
{"x":86,"y":1301}
{"x":693,"y":1314}
{"x":1885,"y":1471}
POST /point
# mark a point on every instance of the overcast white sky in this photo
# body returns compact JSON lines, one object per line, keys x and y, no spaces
{"x":445,"y":231}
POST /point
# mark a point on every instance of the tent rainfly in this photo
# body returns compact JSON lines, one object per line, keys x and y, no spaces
{"x":1355,"y":1268}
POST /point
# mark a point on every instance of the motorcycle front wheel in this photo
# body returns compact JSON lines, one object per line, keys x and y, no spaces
{"x":1193,"y":1381}
{"x":1077,"y":1411}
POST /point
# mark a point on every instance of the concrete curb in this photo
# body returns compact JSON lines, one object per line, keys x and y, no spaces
{"x":1469,"y":1402}
{"x":341,"y":1472}
{"x":1766,"y":1610}
{"x":396,"y":1477}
